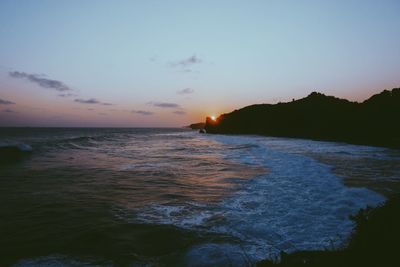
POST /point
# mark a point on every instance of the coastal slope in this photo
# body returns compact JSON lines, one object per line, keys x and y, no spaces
{"x":317,"y":116}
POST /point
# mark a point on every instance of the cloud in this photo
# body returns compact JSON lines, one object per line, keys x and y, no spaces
{"x":42,"y":82}
{"x":164,"y":105}
{"x":142,"y":112}
{"x":87,"y":101}
{"x":179,"y":112}
{"x":67,"y":95}
{"x":185,"y":91}
{"x":187,"y":62}
{"x":8,"y":110}
{"x":6,"y":102}
{"x":91,"y":101}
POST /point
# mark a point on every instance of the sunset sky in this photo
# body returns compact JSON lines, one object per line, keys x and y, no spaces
{"x":171,"y":63}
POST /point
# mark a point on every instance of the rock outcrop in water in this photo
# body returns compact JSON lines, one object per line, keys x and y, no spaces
{"x":197,"y":126}
{"x":317,"y":116}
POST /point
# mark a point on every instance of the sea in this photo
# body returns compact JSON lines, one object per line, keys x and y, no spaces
{"x":175,"y":197}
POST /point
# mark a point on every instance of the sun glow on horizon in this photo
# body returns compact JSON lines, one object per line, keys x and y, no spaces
{"x":114,"y":80}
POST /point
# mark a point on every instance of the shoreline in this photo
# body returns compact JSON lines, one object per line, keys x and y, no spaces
{"x":321,"y":118}
{"x":332,"y":140}
{"x":374,"y":242}
{"x":368,"y":244}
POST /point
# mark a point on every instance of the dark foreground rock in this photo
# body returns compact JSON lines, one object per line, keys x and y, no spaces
{"x":197,"y":126}
{"x":374,"y":242}
{"x":373,"y":122}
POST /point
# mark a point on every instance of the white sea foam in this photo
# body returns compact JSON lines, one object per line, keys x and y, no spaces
{"x":299,"y":205}
{"x":24,"y":147}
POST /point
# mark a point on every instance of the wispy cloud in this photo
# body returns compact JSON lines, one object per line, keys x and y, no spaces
{"x":179,"y":112}
{"x":143,"y":112}
{"x":7,"y":110}
{"x":6,"y":102}
{"x":87,"y":101}
{"x":41,"y":81}
{"x":185,"y":91}
{"x":91,"y":101}
{"x":163,"y":104}
{"x":185,"y":64}
{"x":67,"y":95}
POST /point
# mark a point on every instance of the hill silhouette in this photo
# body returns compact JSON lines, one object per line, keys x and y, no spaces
{"x":376,"y":121}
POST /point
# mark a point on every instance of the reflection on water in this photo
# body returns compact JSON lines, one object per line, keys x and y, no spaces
{"x":113,"y":197}
{"x":138,"y":169}
{"x":79,"y":182}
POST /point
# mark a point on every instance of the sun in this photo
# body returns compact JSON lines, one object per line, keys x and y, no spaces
{"x":213,"y":118}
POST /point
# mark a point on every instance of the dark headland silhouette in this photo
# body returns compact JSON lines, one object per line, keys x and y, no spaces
{"x":376,"y":121}
{"x":197,"y":126}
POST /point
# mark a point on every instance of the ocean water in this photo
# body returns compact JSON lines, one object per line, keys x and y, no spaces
{"x":173,"y":197}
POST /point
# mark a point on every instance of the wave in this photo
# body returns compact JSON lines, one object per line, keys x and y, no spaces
{"x":244,"y":146}
{"x":73,"y":142}
{"x":14,"y":152}
{"x":278,"y":211}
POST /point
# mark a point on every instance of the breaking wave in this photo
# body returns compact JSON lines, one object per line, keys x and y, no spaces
{"x":279,"y":211}
{"x":171,"y":197}
{"x":13,"y":152}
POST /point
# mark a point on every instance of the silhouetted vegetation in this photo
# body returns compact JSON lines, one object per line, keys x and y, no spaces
{"x":317,"y":116}
{"x":374,"y":242}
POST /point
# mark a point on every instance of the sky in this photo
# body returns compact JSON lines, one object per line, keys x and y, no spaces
{"x":171,"y":63}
